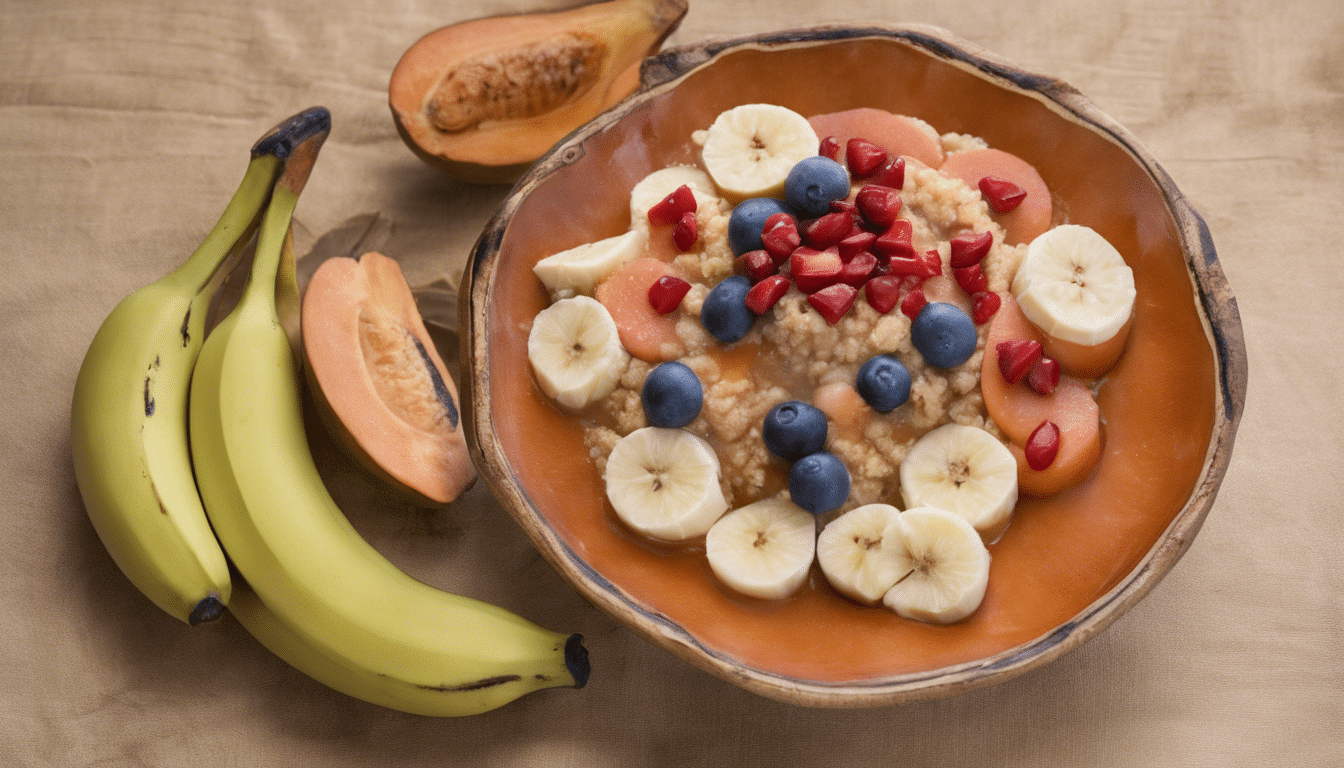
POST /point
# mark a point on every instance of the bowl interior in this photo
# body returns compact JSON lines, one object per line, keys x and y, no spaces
{"x":1067,"y":566}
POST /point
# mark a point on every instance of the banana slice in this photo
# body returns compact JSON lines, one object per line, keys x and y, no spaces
{"x":964,"y":470}
{"x":944,"y":563}
{"x":654,"y":188}
{"x":1075,"y":286}
{"x":749,"y":150}
{"x":764,"y":549}
{"x":858,"y":552}
{"x":664,"y":483}
{"x":578,"y":270}
{"x":575,"y":352}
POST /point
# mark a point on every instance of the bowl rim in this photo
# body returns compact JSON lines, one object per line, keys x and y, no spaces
{"x":1215,"y":304}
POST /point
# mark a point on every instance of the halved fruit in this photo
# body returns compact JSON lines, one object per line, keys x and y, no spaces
{"x":1032,"y":216}
{"x":897,"y":134}
{"x":1018,"y":410}
{"x":379,"y":383}
{"x":483,"y":99}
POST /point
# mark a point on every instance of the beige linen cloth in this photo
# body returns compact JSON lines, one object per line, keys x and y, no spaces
{"x":124,"y":127}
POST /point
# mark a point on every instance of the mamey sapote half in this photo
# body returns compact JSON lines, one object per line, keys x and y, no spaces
{"x":483,"y":99}
{"x":379,"y":383}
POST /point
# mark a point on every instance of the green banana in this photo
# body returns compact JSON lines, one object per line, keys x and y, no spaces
{"x":327,"y":601}
{"x":128,"y":418}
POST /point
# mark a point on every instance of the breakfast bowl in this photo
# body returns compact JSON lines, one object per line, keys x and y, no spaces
{"x":1066,"y":567}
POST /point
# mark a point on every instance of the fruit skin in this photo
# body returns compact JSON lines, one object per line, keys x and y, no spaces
{"x":409,"y":438}
{"x":813,"y":183}
{"x":672,"y":395}
{"x":748,"y":219}
{"x":819,"y":482}
{"x":943,"y":334}
{"x":290,"y":541}
{"x":128,"y":425}
{"x":596,"y":49}
{"x":794,"y":429}
{"x":725,"y":313}
{"x":883,"y":382}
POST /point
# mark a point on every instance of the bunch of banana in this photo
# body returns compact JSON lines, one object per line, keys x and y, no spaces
{"x":129,"y":415}
{"x":305,"y":583}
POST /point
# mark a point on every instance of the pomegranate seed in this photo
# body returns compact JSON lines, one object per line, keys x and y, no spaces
{"x":813,"y":270}
{"x":863,"y":157}
{"x":969,"y":248}
{"x":833,"y":301}
{"x":763,"y":295}
{"x":1003,"y":195}
{"x":780,"y":236}
{"x":1042,"y":446}
{"x":1044,"y":375}
{"x":673,"y":207}
{"x":842,"y":206}
{"x":1016,"y":357}
{"x":933,"y":262}
{"x":897,"y":240}
{"x":856,"y":243}
{"x":913,"y":302}
{"x":984,"y":305}
{"x":830,"y":147}
{"x":892,"y":174}
{"x":883,"y":292}
{"x":666,"y":293}
{"x":685,"y":232}
{"x":828,"y":230}
{"x":879,"y":205}
{"x":756,"y":265}
{"x":857,"y":270}
{"x":915,"y":267}
{"x":971,"y":279}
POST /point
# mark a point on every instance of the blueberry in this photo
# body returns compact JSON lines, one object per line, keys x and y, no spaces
{"x":883,"y":383}
{"x":944,"y":335}
{"x":672,"y":395}
{"x":725,"y":313}
{"x":819,"y":482}
{"x":813,"y":183}
{"x":748,"y":219}
{"x":794,"y":429}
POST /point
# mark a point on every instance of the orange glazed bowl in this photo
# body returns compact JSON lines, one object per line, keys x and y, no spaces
{"x":1066,"y":567}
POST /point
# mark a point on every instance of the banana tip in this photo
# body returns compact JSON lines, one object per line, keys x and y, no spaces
{"x":293,"y":131}
{"x":576,"y":660}
{"x":208,"y":609}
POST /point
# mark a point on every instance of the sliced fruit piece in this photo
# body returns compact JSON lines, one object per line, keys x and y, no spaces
{"x":1032,"y":215}
{"x":1076,"y":287}
{"x":964,"y":470}
{"x":764,"y":549}
{"x":858,"y":553}
{"x":575,"y":352}
{"x":578,"y":270}
{"x":945,"y":567}
{"x":483,"y":99}
{"x":897,"y":134}
{"x":379,"y":383}
{"x":643,"y":331}
{"x":750,"y":149}
{"x":664,"y":483}
{"x":1018,"y":411}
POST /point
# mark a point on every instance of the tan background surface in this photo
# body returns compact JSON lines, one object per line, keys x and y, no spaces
{"x":124,"y":126}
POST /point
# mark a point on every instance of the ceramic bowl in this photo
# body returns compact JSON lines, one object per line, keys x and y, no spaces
{"x":1066,"y":568}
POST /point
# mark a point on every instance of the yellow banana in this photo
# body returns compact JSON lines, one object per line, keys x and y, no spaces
{"x":326,"y":600}
{"x":129,"y":413}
